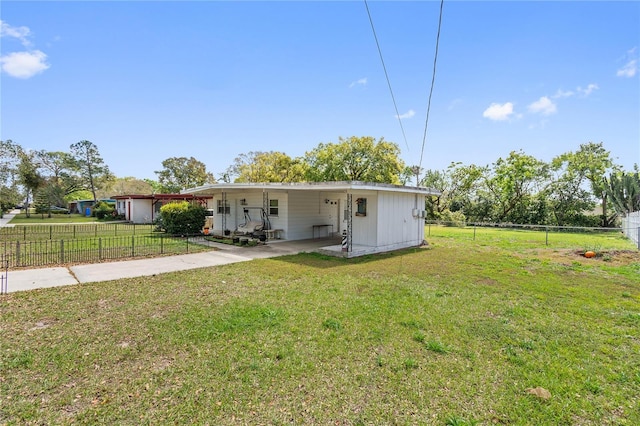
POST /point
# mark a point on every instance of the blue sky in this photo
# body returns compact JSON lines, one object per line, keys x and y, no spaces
{"x":148,"y":80}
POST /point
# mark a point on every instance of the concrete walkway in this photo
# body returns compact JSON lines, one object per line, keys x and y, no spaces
{"x":31,"y":279}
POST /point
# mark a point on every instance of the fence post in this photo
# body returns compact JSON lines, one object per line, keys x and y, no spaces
{"x":100,"y":248}
{"x":115,"y":229}
{"x":429,"y":234}
{"x":187,"y":244}
{"x":24,"y":232}
{"x":17,"y":253}
{"x":161,"y":244}
{"x":61,"y":251}
{"x":638,"y":237}
{"x":133,"y":246}
{"x":74,"y":232}
{"x":51,"y":232}
{"x":546,"y":235}
{"x":474,"y":232}
{"x":95,"y":230}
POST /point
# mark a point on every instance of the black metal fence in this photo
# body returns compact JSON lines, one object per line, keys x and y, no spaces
{"x":90,"y":250}
{"x":4,"y":275}
{"x":72,"y":231}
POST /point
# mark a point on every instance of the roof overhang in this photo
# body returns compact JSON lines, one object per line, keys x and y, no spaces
{"x":347,"y":186}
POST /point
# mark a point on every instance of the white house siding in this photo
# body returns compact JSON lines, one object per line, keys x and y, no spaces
{"x":305,"y":210}
{"x":251,"y":199}
{"x":364,"y":229}
{"x":393,"y":208}
{"x":141,"y":211}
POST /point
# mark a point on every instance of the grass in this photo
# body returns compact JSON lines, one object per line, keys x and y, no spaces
{"x":36,"y":218}
{"x":453,"y":334}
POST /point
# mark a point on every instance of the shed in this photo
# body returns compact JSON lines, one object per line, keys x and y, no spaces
{"x":356,"y":217}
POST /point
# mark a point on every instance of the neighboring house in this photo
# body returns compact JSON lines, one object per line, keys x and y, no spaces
{"x":81,"y":206}
{"x":364,"y":217}
{"x":146,"y":208}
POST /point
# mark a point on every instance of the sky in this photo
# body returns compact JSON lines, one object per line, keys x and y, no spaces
{"x":149,"y":80}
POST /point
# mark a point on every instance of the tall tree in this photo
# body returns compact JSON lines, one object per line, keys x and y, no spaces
{"x":179,"y":173}
{"x":513,"y":183}
{"x":623,"y":189}
{"x":90,"y":165}
{"x":355,"y":159}
{"x":579,"y":176}
{"x":128,"y":185}
{"x":272,"y":166}
{"x":29,"y":176}
{"x":458,"y":185}
{"x":9,"y":159}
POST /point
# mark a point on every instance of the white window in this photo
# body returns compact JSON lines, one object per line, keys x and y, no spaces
{"x":273,"y":207}
{"x":223,"y":209}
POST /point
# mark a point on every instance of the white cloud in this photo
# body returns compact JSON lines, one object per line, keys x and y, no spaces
{"x":21,"y":33}
{"x":407,"y":114}
{"x":544,"y":106}
{"x":498,"y":112}
{"x":590,"y":88}
{"x":630,"y":69}
{"x":563,"y":94}
{"x":24,"y":64}
{"x":362,"y":82}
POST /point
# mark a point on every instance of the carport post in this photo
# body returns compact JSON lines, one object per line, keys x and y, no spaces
{"x":349,"y":222}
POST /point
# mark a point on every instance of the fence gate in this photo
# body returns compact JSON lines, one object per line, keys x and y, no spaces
{"x":4,"y":274}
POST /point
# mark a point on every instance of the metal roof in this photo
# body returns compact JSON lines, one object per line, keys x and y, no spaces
{"x":343,"y":186}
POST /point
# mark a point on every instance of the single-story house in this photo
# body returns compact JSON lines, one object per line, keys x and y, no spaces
{"x":138,"y":208}
{"x":361,"y":217}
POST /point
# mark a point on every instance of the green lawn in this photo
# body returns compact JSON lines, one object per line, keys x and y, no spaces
{"x":452,"y":334}
{"x":55,"y":218}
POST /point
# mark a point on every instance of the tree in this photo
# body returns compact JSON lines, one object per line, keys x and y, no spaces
{"x":128,"y":185}
{"x":513,"y":183}
{"x":180,"y":173}
{"x":458,"y":186}
{"x":272,"y":166}
{"x":9,"y":191}
{"x":29,"y":177}
{"x":93,"y":172}
{"x":623,"y":189}
{"x":579,"y":176}
{"x":355,"y":159}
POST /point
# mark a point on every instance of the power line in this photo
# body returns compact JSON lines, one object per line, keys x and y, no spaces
{"x":386,"y":75}
{"x":433,"y":79}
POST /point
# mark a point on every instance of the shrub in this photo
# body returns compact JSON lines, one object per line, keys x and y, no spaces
{"x":103,"y":210}
{"x":450,"y":218}
{"x":182,"y":218}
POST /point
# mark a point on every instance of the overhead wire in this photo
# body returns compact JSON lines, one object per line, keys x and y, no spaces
{"x":433,"y":79}
{"x":386,"y":74}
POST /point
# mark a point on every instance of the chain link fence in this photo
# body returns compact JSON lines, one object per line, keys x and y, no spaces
{"x":631,"y":227}
{"x":546,"y":234}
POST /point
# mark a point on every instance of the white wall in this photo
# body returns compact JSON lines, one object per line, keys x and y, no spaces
{"x":398,"y":222}
{"x":251,"y":199}
{"x":141,"y":211}
{"x":365,"y":231}
{"x":305,"y":210}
